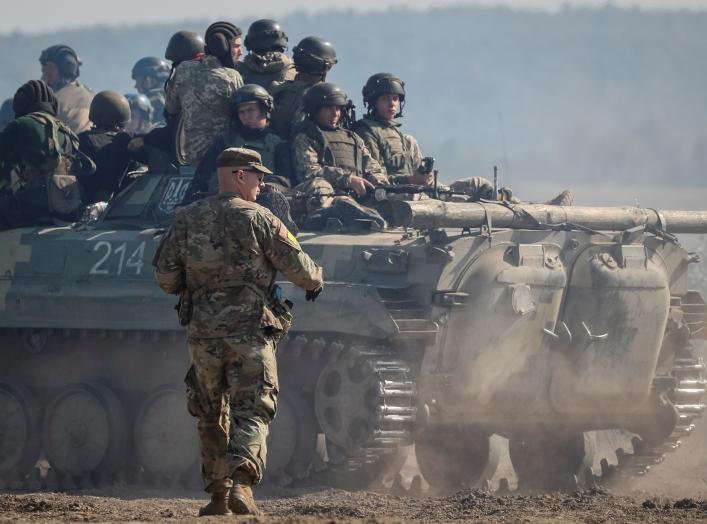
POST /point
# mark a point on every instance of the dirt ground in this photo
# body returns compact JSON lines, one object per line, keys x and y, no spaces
{"x":340,"y":506}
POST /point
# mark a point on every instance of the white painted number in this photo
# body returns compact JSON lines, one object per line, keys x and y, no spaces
{"x":134,"y":261}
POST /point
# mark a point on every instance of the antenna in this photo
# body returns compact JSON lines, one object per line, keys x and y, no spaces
{"x":495,"y":183}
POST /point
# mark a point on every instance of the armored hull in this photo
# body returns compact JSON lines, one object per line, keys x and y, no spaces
{"x":437,"y":337}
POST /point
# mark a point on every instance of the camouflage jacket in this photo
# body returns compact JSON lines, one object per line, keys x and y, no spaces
{"x":398,"y":154}
{"x":227,"y":251}
{"x":311,"y":158}
{"x":202,"y":91}
{"x":266,"y":70}
{"x":74,"y":103}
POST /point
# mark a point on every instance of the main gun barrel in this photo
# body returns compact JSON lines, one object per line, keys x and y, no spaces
{"x":429,"y":214}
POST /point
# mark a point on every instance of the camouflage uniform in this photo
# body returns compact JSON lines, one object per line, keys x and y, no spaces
{"x":267,"y":70}
{"x":227,"y":251}
{"x":398,"y":154}
{"x":325,"y":160}
{"x":202,"y":90}
{"x":289,"y":106}
{"x":74,"y":103}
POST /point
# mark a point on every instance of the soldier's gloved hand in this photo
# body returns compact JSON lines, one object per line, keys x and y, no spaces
{"x":312,"y":294}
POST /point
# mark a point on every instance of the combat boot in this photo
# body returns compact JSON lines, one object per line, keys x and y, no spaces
{"x":241,"y":501}
{"x":219,"y":504}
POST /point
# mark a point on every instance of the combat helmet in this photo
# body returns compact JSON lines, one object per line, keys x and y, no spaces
{"x":383,"y":84}
{"x":265,"y":35}
{"x":109,"y":109}
{"x":324,"y":94}
{"x":183,"y":45}
{"x":252,"y":93}
{"x":314,"y":55}
{"x":65,"y":58}
{"x":151,"y":67}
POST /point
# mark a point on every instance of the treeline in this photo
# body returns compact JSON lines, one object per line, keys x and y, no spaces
{"x":574,"y":97}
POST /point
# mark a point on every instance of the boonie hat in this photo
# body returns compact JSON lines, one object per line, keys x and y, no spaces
{"x":241,"y":158}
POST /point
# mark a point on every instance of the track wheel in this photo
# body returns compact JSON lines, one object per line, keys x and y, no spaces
{"x":166,"y":439}
{"x":20,"y":443}
{"x":452,"y":460}
{"x":84,"y":431}
{"x":293,"y":438}
{"x":550,"y":462}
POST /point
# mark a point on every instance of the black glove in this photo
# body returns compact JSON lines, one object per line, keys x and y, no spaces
{"x":312,"y":294}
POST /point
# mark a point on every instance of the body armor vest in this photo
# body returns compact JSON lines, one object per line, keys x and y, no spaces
{"x":394,"y":147}
{"x":265,"y":145}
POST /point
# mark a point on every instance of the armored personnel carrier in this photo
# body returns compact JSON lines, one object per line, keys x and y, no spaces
{"x":537,"y":323}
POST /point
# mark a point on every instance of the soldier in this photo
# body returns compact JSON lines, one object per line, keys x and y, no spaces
{"x":225,"y":251}
{"x":107,"y":145}
{"x":266,"y":63}
{"x":202,"y":89}
{"x":329,"y":158}
{"x":250,"y":115}
{"x":150,"y":74}
{"x":313,"y":58}
{"x":141,"y":112}
{"x":40,"y":160}
{"x":60,"y":71}
{"x":398,"y":154}
{"x":7,"y":115}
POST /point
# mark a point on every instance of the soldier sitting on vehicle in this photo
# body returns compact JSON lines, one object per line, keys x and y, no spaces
{"x":40,"y":159}
{"x":60,"y":71}
{"x":313,"y":58}
{"x":250,"y":115}
{"x":266,"y":63}
{"x":107,"y":145}
{"x":398,"y":154}
{"x":150,"y":74}
{"x":331,"y":161}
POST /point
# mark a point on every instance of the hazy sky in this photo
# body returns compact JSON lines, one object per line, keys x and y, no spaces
{"x":47,"y":15}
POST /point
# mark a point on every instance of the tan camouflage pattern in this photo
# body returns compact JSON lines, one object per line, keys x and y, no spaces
{"x":398,"y":153}
{"x":74,"y":103}
{"x":202,"y":90}
{"x":267,"y":70}
{"x":306,"y":156}
{"x":222,"y":239}
{"x":238,"y":378}
{"x":313,"y":194}
{"x":214,"y":245}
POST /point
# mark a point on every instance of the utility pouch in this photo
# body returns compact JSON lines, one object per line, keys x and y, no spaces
{"x":197,"y":403}
{"x":63,"y":194}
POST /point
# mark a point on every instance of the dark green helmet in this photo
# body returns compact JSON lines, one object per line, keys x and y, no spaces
{"x":184,"y":45}
{"x":324,"y":94}
{"x":109,"y":109}
{"x":65,"y":58}
{"x":252,"y":93}
{"x":151,"y":66}
{"x":383,"y":84}
{"x":265,"y":35}
{"x":314,"y":55}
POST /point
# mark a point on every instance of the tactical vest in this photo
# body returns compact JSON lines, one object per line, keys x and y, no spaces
{"x":265,"y":145}
{"x":394,"y":147}
{"x":336,"y":148}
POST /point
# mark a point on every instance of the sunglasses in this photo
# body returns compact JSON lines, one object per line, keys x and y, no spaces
{"x":260,"y":175}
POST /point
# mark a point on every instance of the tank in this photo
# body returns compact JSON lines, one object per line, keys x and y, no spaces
{"x":548,"y":326}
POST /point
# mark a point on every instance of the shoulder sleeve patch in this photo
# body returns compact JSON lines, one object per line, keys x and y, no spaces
{"x":287,"y":237}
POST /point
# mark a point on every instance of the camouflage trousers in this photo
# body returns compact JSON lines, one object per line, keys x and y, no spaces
{"x":312,"y":195}
{"x":237,"y":387}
